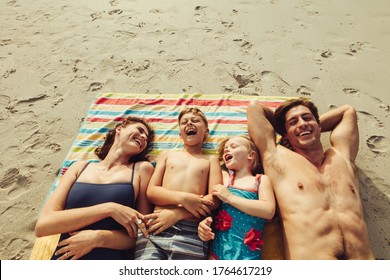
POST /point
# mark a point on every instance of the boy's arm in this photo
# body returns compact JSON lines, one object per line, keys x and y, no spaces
{"x":196,"y":204}
{"x":342,"y":122}
{"x":215,"y":178}
{"x":155,"y":193}
{"x":145,"y":171}
{"x":261,"y":127}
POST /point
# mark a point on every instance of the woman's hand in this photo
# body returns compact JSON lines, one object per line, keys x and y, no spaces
{"x":130,"y":219}
{"x":77,"y":245}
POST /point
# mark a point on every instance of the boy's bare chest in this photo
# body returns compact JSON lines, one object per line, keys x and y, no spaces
{"x":188,"y":164}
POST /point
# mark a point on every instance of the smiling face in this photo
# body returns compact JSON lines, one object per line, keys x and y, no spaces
{"x":302,"y":129}
{"x":134,"y":137}
{"x":237,"y":153}
{"x":193,"y":130}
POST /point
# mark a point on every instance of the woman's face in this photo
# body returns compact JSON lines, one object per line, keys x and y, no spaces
{"x":134,"y":136}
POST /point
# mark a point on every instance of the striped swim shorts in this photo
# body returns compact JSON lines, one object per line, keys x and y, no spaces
{"x":179,"y":242}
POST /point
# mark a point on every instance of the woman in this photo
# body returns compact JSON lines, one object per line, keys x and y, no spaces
{"x":99,"y":206}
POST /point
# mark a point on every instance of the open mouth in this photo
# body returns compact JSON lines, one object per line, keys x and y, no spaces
{"x":304,"y":133}
{"x":191,"y":131}
{"x":228,"y":157}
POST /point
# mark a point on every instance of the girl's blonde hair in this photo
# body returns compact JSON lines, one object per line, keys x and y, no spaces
{"x":256,"y":167}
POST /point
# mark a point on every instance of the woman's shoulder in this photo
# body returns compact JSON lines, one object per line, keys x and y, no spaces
{"x":144,"y":166}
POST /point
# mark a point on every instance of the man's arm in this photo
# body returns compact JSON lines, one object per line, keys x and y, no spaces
{"x":260,"y":127}
{"x":342,"y":122}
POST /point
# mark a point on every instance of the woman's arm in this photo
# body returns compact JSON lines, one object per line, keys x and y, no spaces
{"x":54,"y":219}
{"x":82,"y":242}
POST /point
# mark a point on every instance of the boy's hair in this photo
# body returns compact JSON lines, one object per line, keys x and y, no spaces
{"x":281,"y":111}
{"x":196,"y":112}
{"x":102,"y":151}
{"x":256,"y":167}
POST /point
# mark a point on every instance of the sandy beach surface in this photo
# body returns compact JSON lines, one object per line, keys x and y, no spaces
{"x":56,"y":55}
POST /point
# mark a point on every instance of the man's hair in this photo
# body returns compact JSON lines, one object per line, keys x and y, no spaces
{"x":196,"y":112}
{"x":102,"y":151}
{"x":281,"y":111}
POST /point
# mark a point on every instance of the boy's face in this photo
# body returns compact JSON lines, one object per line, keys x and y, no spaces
{"x":192,"y":129}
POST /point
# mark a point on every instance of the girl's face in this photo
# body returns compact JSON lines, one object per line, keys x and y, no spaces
{"x":236,"y":154}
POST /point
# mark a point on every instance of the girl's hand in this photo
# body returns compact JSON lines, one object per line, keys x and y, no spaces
{"x":204,"y":230}
{"x":77,"y":245}
{"x":222,"y":193}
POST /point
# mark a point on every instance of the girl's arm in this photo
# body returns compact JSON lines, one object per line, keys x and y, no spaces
{"x":262,"y":208}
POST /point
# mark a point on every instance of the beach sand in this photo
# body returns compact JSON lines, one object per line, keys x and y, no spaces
{"x":56,"y":55}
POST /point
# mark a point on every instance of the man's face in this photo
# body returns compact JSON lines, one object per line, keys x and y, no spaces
{"x":302,"y":129}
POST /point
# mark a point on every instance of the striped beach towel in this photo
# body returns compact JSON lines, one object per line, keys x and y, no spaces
{"x":226,"y":114}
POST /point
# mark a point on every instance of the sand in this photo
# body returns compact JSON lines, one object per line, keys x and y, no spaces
{"x":56,"y":55}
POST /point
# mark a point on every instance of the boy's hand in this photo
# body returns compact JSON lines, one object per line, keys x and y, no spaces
{"x":197,"y":205}
{"x":204,"y":230}
{"x":160,"y":220}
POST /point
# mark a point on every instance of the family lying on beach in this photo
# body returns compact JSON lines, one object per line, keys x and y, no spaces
{"x":196,"y":206}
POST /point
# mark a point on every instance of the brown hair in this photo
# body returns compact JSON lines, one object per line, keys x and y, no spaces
{"x":281,"y":111}
{"x":256,"y":167}
{"x":102,"y":151}
{"x":196,"y":112}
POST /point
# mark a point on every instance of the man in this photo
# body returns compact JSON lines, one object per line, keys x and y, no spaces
{"x":317,"y":191}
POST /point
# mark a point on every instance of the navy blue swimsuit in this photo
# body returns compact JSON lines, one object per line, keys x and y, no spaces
{"x":88,"y":194}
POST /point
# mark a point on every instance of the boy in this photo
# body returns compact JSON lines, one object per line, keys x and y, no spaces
{"x":178,"y":188}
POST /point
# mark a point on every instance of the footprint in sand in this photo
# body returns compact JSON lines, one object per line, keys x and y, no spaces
{"x":305,"y":91}
{"x":95,"y":86}
{"x":367,"y":118}
{"x":272,"y":84}
{"x":116,"y":11}
{"x":378,"y":144}
{"x":351,"y":92}
{"x":8,"y":73}
{"x":326,"y":54}
{"x":9,"y":178}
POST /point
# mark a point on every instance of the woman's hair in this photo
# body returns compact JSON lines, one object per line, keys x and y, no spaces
{"x":256,"y":167}
{"x":102,"y":151}
{"x":281,"y":111}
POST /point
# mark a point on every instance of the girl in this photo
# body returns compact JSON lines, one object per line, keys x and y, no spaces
{"x":247,"y":201}
{"x":98,"y":207}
